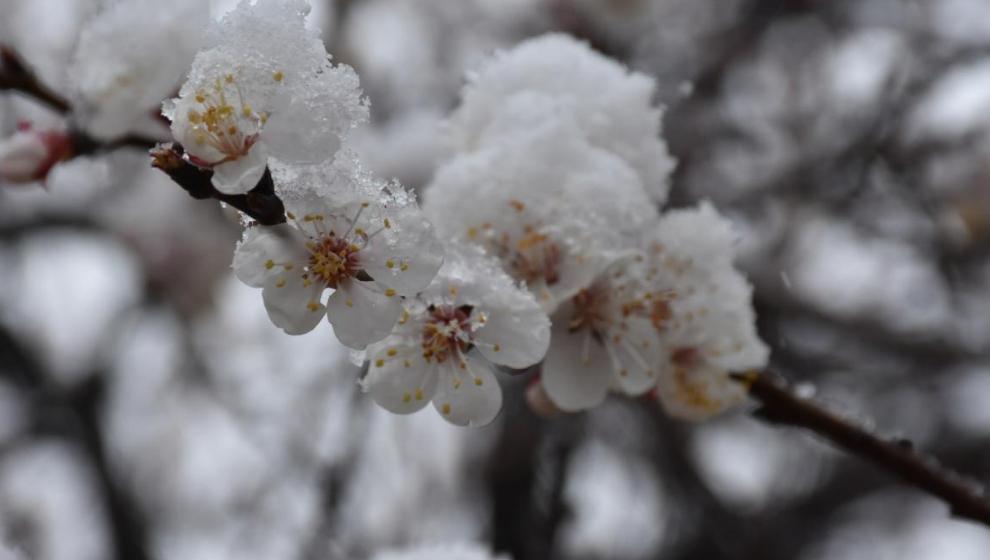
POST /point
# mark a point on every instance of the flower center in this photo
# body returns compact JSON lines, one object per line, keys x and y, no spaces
{"x":590,"y":311}
{"x":447,"y":332}
{"x":224,"y":123}
{"x":333,"y":260}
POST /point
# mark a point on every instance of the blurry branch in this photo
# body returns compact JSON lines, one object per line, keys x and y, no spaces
{"x":15,"y":75}
{"x":260,"y":203}
{"x":781,"y":405}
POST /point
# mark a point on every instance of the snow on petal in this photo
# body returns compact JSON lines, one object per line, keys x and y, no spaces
{"x":240,"y":175}
{"x":395,"y":385}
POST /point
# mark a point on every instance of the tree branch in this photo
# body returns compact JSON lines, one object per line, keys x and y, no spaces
{"x":16,"y":75}
{"x":781,"y":405}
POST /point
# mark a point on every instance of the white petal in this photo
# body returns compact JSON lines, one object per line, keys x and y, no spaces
{"x":262,"y":244}
{"x":470,"y":396}
{"x":362,"y":315}
{"x":396,"y":387}
{"x":573,"y":382}
{"x":698,"y":393}
{"x":515,"y":339}
{"x":293,"y":306}
{"x":412,"y":249}
{"x":242,"y":174}
{"x":637,"y":359}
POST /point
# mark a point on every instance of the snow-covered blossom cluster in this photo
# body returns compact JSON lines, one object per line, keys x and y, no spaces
{"x":557,"y":171}
{"x":553,"y":253}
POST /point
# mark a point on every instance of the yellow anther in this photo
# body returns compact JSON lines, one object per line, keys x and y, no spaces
{"x":388,"y":224}
{"x":478,"y":381}
{"x":287,"y":266}
{"x":278,"y":76}
{"x":229,"y":78}
{"x":404,"y":267}
{"x":269,"y":264}
{"x":390,"y":263}
{"x":379,"y":362}
{"x":360,"y":231}
{"x":445,"y":408}
{"x":453,"y":290}
{"x":246,"y":111}
{"x":496,"y":348}
{"x":280,"y":283}
{"x":472,"y":233}
{"x":392,"y":351}
{"x":200,"y":98}
{"x":349,"y":302}
{"x":406,"y":397}
{"x":290,"y":215}
{"x":419,"y":394}
{"x":365,"y":204}
{"x":313,"y":306}
{"x":389,"y":292}
{"x":457,"y":384}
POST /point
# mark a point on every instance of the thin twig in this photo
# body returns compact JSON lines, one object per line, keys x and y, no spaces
{"x":16,"y":75}
{"x":781,"y":405}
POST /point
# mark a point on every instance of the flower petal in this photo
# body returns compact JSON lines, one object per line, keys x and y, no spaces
{"x":291,"y":304}
{"x":576,"y":371}
{"x":264,"y":252}
{"x":399,"y":384}
{"x":361,"y":315}
{"x":515,"y":339}
{"x":469,"y":396}
{"x":242,"y":174}
{"x":698,"y":393}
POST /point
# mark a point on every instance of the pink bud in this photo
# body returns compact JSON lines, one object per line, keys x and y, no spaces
{"x":29,"y":155}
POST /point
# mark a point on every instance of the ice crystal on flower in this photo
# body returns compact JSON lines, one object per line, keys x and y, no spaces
{"x":612,"y":106}
{"x":471,"y":316}
{"x":361,"y":238}
{"x":264,"y":86}
{"x":121,"y":76}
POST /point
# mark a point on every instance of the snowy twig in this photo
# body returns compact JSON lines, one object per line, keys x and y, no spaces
{"x":260,"y":203}
{"x":781,"y":405}
{"x":15,"y":75}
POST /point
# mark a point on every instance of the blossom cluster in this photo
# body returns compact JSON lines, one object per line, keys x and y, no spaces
{"x":557,"y":170}
{"x":539,"y":247}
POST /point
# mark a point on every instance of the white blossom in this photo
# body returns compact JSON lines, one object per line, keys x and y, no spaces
{"x":712,"y":330}
{"x":545,"y":202}
{"x":675,"y":315}
{"x":120,"y":76}
{"x":471,"y":316}
{"x":264,"y":86}
{"x":364,"y":239}
{"x":28,"y":155}
{"x":612,"y":106}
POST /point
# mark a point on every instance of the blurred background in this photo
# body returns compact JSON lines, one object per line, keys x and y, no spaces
{"x":149,"y":409}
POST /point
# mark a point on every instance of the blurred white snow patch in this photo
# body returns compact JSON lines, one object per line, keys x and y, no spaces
{"x":859,"y":68}
{"x":750,"y":465}
{"x":965,"y":400}
{"x":456,"y":551}
{"x":71,"y":186}
{"x":900,"y":526}
{"x":47,"y":490}
{"x":13,"y":412}
{"x":406,"y":147}
{"x":45,"y":33}
{"x":617,"y":505}
{"x":294,"y":390}
{"x":65,"y":290}
{"x":416,"y":480}
{"x":854,"y":276}
{"x":9,"y":552}
{"x":955,"y":106}
{"x":966,"y":21}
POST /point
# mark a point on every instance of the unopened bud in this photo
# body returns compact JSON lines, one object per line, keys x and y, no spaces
{"x":29,"y":155}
